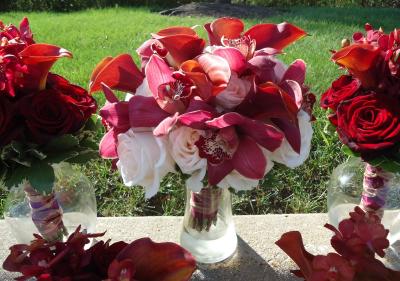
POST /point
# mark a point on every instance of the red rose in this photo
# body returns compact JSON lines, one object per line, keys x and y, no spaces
{"x":342,"y":89}
{"x":50,"y":113}
{"x":369,"y":123}
{"x":81,"y":99}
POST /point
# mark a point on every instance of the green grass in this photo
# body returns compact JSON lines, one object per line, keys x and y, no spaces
{"x":94,"y":34}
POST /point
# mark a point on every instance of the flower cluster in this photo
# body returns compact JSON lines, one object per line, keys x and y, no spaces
{"x":141,"y":260}
{"x":223,"y":111}
{"x":356,"y":242}
{"x":364,"y":104}
{"x":36,"y":107}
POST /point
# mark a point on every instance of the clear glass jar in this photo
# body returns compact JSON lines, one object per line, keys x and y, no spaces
{"x":54,"y":216}
{"x":345,"y":191}
{"x":208,"y":230}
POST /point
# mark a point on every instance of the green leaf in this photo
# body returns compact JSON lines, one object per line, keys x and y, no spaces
{"x":349,"y":152}
{"x":57,"y":157}
{"x":17,"y":147}
{"x":65,"y":142}
{"x":41,"y":177}
{"x":84,"y":156}
{"x":36,"y":153}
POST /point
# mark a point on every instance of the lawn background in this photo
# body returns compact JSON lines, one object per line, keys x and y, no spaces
{"x":94,"y":34}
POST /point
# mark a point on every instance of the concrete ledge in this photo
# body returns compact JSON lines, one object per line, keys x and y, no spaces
{"x":257,"y":257}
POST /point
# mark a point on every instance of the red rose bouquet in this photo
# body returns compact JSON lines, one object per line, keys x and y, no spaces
{"x":356,"y":241}
{"x":141,"y":260}
{"x":364,"y":106}
{"x":44,"y":120}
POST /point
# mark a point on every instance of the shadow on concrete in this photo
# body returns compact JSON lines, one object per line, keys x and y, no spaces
{"x":245,"y":265}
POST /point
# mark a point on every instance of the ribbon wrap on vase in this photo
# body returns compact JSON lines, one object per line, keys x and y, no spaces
{"x":375,"y":189}
{"x":204,"y":208}
{"x":47,"y":214}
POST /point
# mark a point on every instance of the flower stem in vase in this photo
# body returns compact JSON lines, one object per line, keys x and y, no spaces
{"x":46,"y":214}
{"x":204,"y":208}
{"x":375,"y":189}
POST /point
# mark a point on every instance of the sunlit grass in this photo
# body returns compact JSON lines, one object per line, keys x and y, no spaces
{"x":94,"y":34}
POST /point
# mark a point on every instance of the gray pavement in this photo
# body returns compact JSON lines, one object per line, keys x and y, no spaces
{"x":257,"y":257}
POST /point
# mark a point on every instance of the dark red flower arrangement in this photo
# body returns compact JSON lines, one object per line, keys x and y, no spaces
{"x":364,"y":105}
{"x":141,"y":260}
{"x":357,"y":240}
{"x":44,"y":119}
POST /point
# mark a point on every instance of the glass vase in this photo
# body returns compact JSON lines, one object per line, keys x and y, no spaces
{"x":356,"y":183}
{"x":208,"y":229}
{"x":54,"y":216}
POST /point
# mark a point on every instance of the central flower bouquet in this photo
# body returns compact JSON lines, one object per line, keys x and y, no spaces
{"x":221,"y":114}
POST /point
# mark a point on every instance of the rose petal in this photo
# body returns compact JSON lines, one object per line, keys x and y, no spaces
{"x":166,"y":125}
{"x":159,"y":261}
{"x":216,"y":68}
{"x":249,"y":159}
{"x":276,"y":36}
{"x":119,"y":73}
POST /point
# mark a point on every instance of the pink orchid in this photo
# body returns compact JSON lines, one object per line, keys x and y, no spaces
{"x":232,"y":142}
{"x":268,"y":38}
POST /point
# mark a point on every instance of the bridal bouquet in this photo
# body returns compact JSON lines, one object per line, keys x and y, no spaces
{"x":220,"y":112}
{"x":364,"y":106}
{"x":43,"y":120}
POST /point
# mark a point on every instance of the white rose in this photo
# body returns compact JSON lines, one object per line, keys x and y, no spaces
{"x":143,"y":160}
{"x":235,"y":180}
{"x":285,"y":153}
{"x":142,"y":90}
{"x":186,"y":155}
{"x":235,"y":92}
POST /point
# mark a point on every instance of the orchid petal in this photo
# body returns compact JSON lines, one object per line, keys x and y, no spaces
{"x":158,"y":261}
{"x":237,"y":62}
{"x":230,"y":28}
{"x":294,"y":90}
{"x":217,"y":172}
{"x":276,"y":36}
{"x":116,"y":114}
{"x":296,"y":72}
{"x":26,"y":33}
{"x":109,"y":94}
{"x":145,"y":112}
{"x":249,"y":160}
{"x":119,"y":73}
{"x":108,"y":145}
{"x":158,"y":73}
{"x":291,"y":130}
{"x":265,"y":67}
{"x":195,"y":119}
{"x":198,"y":104}
{"x":39,"y":59}
{"x":145,"y":51}
{"x":292,"y":244}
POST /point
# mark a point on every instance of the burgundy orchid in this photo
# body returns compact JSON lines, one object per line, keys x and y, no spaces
{"x":141,"y":260}
{"x":356,"y":241}
{"x":266,"y":38}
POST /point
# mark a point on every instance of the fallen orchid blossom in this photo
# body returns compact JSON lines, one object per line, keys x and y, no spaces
{"x":141,"y":260}
{"x":356,"y":242}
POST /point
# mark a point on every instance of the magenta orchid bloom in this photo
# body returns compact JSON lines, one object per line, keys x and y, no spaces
{"x":265,"y":38}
